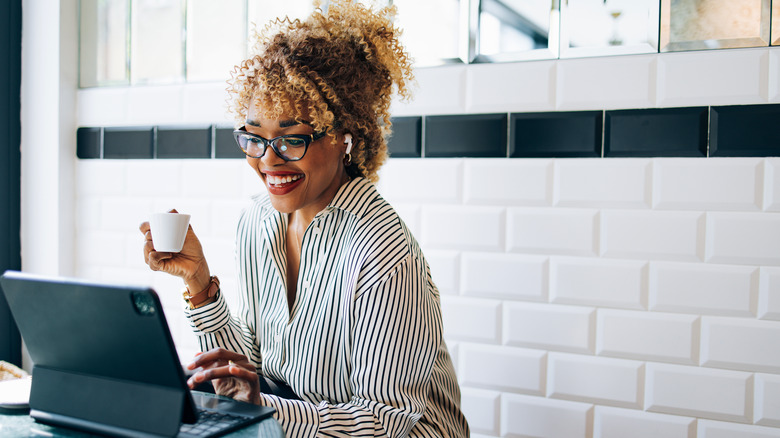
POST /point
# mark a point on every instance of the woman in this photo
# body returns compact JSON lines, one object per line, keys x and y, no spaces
{"x":336,"y":298}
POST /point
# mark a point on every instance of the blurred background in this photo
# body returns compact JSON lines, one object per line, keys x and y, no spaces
{"x":602,"y":223}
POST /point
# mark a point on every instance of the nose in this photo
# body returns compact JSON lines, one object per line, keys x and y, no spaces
{"x":270,"y":158}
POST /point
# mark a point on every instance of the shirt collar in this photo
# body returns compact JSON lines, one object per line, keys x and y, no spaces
{"x":353,"y":197}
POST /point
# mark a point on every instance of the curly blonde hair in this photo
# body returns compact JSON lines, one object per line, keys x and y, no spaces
{"x":337,"y":71}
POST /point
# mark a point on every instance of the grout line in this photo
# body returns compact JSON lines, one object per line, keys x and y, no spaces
{"x":603,"y":130}
{"x":422,"y":137}
{"x":213,"y":141}
{"x":154,"y":142}
{"x":102,"y":142}
{"x":709,"y":127}
{"x":508,"y":132}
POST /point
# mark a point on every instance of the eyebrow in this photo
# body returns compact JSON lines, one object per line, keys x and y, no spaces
{"x":282,"y":123}
{"x":288,"y":123}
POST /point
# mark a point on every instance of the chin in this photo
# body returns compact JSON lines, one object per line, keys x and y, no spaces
{"x":281,"y":205}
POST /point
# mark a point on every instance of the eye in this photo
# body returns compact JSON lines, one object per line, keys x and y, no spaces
{"x":294,"y":142}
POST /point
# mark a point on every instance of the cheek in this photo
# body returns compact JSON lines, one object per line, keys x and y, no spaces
{"x":253,"y":162}
{"x":330,"y":157}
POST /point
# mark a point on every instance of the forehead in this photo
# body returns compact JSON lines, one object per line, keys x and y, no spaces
{"x":287,"y":112}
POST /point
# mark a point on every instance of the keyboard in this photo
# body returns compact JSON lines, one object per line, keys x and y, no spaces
{"x":211,"y":424}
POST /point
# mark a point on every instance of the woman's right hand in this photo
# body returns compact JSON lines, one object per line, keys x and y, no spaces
{"x":189,"y":264}
{"x":231,"y":374}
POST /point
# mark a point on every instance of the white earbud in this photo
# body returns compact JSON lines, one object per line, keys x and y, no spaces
{"x":348,"y":142}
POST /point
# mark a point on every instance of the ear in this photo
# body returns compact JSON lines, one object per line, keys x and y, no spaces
{"x":348,"y":142}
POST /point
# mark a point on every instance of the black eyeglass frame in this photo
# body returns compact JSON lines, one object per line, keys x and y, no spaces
{"x":306,"y":138}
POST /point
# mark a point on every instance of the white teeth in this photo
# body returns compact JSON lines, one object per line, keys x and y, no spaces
{"x":276,"y":180}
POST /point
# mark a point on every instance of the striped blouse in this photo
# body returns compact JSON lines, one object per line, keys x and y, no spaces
{"x":362,"y":346}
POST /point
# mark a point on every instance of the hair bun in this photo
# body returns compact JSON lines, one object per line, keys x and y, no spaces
{"x":339,"y":69}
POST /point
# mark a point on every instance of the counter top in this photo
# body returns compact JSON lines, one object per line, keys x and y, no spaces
{"x":17,"y":423}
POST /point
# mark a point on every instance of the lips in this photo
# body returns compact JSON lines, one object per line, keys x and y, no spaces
{"x":281,"y":183}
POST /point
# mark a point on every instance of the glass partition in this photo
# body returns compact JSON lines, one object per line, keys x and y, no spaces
{"x":167,"y":41}
{"x":216,"y":38}
{"x":776,"y":23}
{"x":157,"y":41}
{"x":429,"y":41}
{"x":608,"y":27}
{"x":714,"y":24}
{"x":261,"y":12}
{"x":103,"y":42}
{"x":518,"y":30}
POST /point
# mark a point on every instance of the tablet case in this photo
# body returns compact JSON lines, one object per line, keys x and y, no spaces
{"x":104,"y":357}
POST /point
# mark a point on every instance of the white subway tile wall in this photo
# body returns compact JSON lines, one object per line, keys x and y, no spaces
{"x":769,"y":293}
{"x":602,"y":380}
{"x":767,"y":405}
{"x":621,"y":423}
{"x":619,"y":82}
{"x":582,"y":298}
{"x":699,"y":391}
{"x":679,"y":185}
{"x":774,"y":79}
{"x":498,"y":87}
{"x":719,"y":429}
{"x":701,"y":78}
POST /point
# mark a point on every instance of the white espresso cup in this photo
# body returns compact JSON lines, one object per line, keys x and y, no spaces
{"x":169,"y":231}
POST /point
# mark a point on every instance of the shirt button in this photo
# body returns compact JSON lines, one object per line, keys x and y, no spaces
{"x":278,"y":338}
{"x":306,"y":284}
{"x":316,"y":230}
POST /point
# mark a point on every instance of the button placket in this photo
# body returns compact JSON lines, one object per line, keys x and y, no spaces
{"x":279,"y":339}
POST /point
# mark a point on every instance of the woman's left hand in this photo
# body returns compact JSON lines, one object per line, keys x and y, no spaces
{"x":231,"y":374}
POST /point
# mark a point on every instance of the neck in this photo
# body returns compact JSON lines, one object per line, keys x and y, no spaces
{"x":300,"y":219}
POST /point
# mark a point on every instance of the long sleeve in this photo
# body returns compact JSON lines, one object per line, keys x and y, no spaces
{"x":214,"y":324}
{"x":215,"y":327}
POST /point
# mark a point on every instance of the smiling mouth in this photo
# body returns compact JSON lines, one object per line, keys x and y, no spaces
{"x":279,"y":181}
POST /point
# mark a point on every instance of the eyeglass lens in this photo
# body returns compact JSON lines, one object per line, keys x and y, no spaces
{"x":289,"y":148}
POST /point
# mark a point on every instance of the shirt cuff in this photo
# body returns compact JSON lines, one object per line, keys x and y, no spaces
{"x":211,"y":317}
{"x":298,"y":418}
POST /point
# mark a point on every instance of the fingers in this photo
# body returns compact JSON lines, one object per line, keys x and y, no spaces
{"x":219,"y":363}
{"x":229,"y":370}
{"x":216,"y":355}
{"x":157,"y":260}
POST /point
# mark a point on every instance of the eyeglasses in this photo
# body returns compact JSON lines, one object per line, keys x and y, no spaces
{"x":287,"y":147}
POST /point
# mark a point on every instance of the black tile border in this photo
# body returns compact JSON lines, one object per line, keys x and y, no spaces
{"x":406,"y":139}
{"x":744,"y":130}
{"x":89,"y":142}
{"x":556,"y":134}
{"x":127,"y":142}
{"x":665,"y":132}
{"x":184,"y":142}
{"x":705,"y":131}
{"x":224,"y":143}
{"x":466,"y":135}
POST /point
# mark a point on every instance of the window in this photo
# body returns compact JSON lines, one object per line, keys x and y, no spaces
{"x":128,"y":42}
